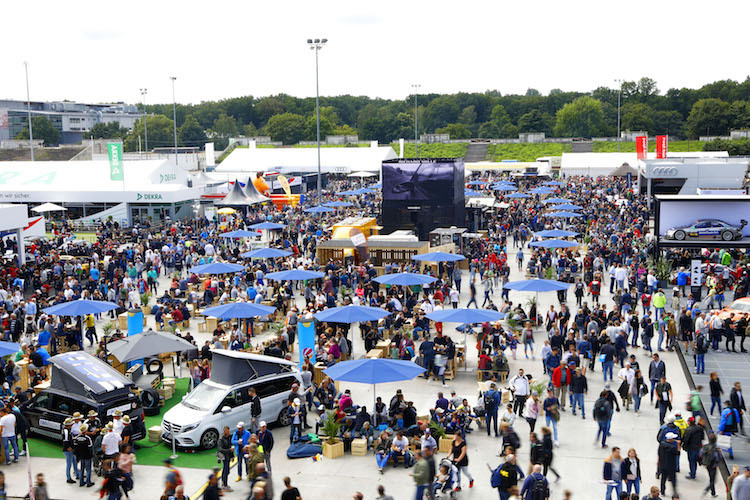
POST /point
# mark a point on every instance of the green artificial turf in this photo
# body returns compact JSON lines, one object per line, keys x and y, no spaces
{"x":147,"y":453}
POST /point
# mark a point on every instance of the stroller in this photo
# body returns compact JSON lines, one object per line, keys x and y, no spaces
{"x":447,"y":478}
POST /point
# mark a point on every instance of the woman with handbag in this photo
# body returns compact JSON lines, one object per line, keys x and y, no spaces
{"x":638,"y":389}
{"x":631,"y":471}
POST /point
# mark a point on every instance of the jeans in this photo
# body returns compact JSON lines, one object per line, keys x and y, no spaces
{"x":603,"y":430}
{"x":85,"y":468}
{"x":382,"y":458}
{"x":491,"y":416}
{"x":70,"y":460}
{"x":421,"y":488}
{"x":7,"y":443}
{"x":463,"y":469}
{"x":715,"y":401}
{"x":661,"y":338}
{"x":635,"y":484}
{"x":693,"y":461}
{"x":711,"y":480}
{"x":700,"y":363}
{"x":225,"y":472}
{"x":551,"y":422}
{"x":607,"y":368}
{"x":577,"y":401}
{"x":663,"y":407}
{"x":617,"y":488}
{"x":636,"y":402}
{"x":240,"y":461}
{"x":654,"y":381}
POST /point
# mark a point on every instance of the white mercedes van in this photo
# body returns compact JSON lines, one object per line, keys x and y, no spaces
{"x":223,"y":399}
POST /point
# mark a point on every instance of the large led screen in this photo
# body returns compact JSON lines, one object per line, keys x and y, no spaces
{"x":696,"y":220}
{"x":420,"y":181}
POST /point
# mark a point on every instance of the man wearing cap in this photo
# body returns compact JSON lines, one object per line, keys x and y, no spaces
{"x":668,"y":456}
{"x":296,"y":413}
{"x":117,"y":424}
{"x":83,"y":448}
{"x":77,"y":421}
{"x":67,"y":444}
{"x":265,"y":439}
{"x":240,"y":437}
{"x":110,"y":443}
{"x":127,"y":430}
{"x":93,"y":423}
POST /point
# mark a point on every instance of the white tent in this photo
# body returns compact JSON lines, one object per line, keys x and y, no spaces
{"x":48,"y":207}
{"x":301,"y":160}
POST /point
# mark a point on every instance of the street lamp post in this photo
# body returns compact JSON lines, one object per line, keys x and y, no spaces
{"x":317,"y":44}
{"x":416,"y":86}
{"x":145,"y":114}
{"x":619,"y":91}
{"x":174,"y":117}
{"x":28,"y":110}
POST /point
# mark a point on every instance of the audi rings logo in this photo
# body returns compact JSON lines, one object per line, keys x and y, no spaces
{"x":664,"y":172}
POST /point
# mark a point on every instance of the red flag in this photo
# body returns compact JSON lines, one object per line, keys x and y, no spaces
{"x":661,"y":146}
{"x":641,"y":146}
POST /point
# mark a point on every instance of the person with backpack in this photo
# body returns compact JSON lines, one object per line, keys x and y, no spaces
{"x":83,"y":448}
{"x":710,"y":458}
{"x":173,"y":479}
{"x":535,"y":486}
{"x":505,"y":477}
{"x":602,"y":414}
{"x":701,"y":348}
{"x":728,"y":423}
{"x":612,"y":473}
{"x":691,"y":443}
{"x":492,"y":401}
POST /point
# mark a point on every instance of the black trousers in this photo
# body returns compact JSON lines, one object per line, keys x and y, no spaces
{"x":519,"y":402}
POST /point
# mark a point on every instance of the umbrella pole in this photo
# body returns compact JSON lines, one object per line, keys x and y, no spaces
{"x":374,"y":400}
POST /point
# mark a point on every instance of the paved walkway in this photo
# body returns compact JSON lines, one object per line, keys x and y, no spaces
{"x":578,"y":459}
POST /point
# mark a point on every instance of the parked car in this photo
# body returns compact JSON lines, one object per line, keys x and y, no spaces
{"x":739,"y":307}
{"x":223,"y":399}
{"x":707,"y":229}
{"x":81,"y":382}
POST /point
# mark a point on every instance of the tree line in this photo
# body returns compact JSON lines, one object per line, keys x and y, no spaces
{"x":714,"y":109}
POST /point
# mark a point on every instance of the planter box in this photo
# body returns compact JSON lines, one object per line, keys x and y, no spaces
{"x":145,"y":310}
{"x":335,"y":450}
{"x":445,"y":445}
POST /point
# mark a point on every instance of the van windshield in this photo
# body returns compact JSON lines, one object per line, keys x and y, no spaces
{"x":205,"y":397}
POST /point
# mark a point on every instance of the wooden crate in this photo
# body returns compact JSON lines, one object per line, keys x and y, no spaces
{"x":335,"y":450}
{"x":154,"y":434}
{"x":359,"y":447}
{"x":445,"y":445}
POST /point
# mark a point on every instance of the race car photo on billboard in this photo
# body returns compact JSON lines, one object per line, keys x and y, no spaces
{"x":707,"y":229}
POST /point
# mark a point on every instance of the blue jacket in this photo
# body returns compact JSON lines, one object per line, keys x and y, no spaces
{"x":526,"y":490}
{"x":265,"y":439}
{"x":236,"y":437}
{"x":725,"y":416}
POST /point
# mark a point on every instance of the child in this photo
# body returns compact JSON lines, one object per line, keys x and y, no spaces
{"x":441,"y":478}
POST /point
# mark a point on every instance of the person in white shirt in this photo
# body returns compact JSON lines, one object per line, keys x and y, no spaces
{"x":508,"y":415}
{"x":8,"y":434}
{"x":400,"y":446}
{"x":626,"y":374}
{"x":117,"y":424}
{"x":454,"y":297}
{"x":111,"y":442}
{"x":519,"y":385}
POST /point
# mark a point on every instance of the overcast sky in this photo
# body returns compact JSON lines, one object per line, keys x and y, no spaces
{"x":105,"y":51}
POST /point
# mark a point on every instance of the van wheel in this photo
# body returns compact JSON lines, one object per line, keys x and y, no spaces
{"x":209,"y":439}
{"x":283,"y":419}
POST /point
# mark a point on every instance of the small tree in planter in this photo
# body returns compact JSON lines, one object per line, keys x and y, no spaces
{"x":444,"y":441}
{"x":333,"y":447}
{"x":662,"y":269}
{"x":145,"y":297}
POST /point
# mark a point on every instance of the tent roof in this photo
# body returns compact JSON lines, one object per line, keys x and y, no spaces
{"x":253,"y":194}
{"x":81,"y":373}
{"x":339,"y":160}
{"x":232,"y":367}
{"x":236,"y":196}
{"x":624,"y":170}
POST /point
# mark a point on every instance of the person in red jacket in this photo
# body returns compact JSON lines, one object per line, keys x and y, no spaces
{"x":561,"y":381}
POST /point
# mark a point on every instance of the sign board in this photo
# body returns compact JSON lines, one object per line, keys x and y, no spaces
{"x":696,"y":279}
{"x":661,"y":146}
{"x":641,"y":146}
{"x":210,"y":155}
{"x":114,"y":150}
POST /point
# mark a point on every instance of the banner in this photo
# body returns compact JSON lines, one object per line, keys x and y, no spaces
{"x":641,"y":146}
{"x":360,"y":243}
{"x":114,"y":149}
{"x":210,"y":155}
{"x":661,"y":146}
{"x":306,"y":341}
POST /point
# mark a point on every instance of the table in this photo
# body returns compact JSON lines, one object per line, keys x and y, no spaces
{"x":375,"y":353}
{"x":385,"y":345}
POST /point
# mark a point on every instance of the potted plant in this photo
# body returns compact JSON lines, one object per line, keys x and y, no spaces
{"x":549,"y":273}
{"x":107,"y":329}
{"x":662,"y":269}
{"x":444,"y":442}
{"x":145,"y":297}
{"x":333,"y":447}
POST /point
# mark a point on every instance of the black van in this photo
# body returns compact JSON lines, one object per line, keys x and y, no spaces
{"x":79,"y":383}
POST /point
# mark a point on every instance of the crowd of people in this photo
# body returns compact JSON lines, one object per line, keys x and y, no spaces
{"x":150,"y":266}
